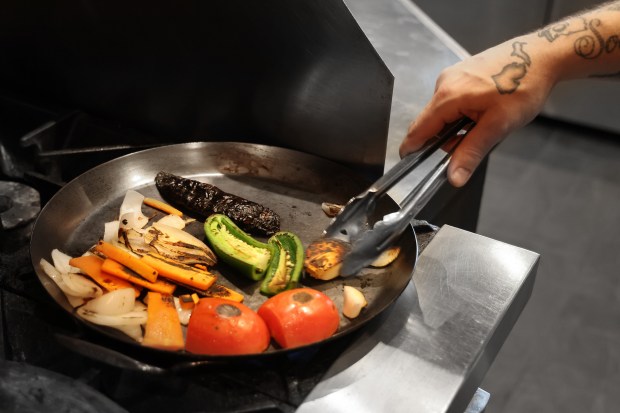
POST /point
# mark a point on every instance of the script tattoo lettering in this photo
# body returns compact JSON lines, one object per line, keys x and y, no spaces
{"x":591,"y":46}
{"x":509,"y":78}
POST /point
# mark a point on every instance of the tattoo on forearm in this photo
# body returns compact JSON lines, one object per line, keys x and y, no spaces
{"x":564,"y":28}
{"x":509,"y":78}
{"x":591,"y":46}
{"x":591,"y":43}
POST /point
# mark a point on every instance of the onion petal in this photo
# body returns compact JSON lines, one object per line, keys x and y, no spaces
{"x":83,"y":287}
{"x":174,"y":221}
{"x":113,"y":303}
{"x":184,"y":313}
{"x":57,"y":277}
{"x":61,"y":262}
{"x":110,"y":232}
{"x":130,"y":318}
{"x":131,"y":210}
{"x":132,"y":330}
{"x":75,"y":301}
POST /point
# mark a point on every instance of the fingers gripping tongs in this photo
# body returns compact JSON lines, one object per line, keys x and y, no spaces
{"x":351,"y":224}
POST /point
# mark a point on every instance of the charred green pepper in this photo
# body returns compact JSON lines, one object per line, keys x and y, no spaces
{"x":286,"y":263}
{"x":235,"y":247}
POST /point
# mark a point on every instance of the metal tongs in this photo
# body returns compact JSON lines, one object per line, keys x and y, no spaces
{"x":351,"y":224}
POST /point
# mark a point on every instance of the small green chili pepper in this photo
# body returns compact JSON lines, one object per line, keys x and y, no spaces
{"x":286,"y":263}
{"x":237,"y":248}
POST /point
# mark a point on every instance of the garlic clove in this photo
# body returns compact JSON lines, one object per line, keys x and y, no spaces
{"x":354,"y":302}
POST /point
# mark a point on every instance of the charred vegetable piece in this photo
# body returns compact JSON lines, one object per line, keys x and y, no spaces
{"x":179,"y":272}
{"x":238,"y":249}
{"x":324,"y":258}
{"x":286,"y":264}
{"x":91,"y":266}
{"x":219,"y":291}
{"x":178,"y":245}
{"x":128,"y":259}
{"x":205,"y":200}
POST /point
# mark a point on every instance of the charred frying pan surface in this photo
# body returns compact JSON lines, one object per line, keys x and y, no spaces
{"x":293,"y":184}
{"x":205,"y":199}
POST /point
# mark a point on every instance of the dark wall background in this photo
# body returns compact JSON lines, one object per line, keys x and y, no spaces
{"x":295,"y":73}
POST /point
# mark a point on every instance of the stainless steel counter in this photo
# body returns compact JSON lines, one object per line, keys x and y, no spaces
{"x":430,"y":351}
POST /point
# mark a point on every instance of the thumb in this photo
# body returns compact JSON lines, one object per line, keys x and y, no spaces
{"x":471,"y":151}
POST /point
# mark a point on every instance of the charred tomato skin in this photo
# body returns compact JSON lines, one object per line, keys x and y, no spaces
{"x":299,"y":317}
{"x":224,"y":327}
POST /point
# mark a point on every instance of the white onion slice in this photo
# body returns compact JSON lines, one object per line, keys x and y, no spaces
{"x":136,"y":241}
{"x":179,"y":235}
{"x":184,"y":314}
{"x":75,"y":301}
{"x":131,"y":210}
{"x":83,"y":287}
{"x":130,"y":318}
{"x":57,"y":277}
{"x":110,"y":232}
{"x":139,"y":306}
{"x":61,"y":262}
{"x":174,"y":221}
{"x":133,"y":331}
{"x":115,"y":302}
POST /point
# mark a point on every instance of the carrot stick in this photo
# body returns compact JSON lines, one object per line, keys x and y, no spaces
{"x":163,"y":328}
{"x":91,"y":266}
{"x":180,"y":273}
{"x":119,"y":270}
{"x":218,"y":290}
{"x":162,"y":206}
{"x":128,"y":259}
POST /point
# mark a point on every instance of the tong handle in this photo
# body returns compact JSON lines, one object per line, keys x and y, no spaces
{"x":353,"y":219}
{"x":415,"y":201}
{"x":385,"y":232}
{"x":409,"y":162}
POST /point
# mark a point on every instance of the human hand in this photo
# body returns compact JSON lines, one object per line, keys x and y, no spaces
{"x":498,"y":89}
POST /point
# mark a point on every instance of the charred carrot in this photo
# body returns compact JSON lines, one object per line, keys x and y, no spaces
{"x":219,"y":291}
{"x":128,"y":259}
{"x":91,"y":266}
{"x":162,"y":206}
{"x":163,"y":328}
{"x":181,"y":273}
{"x":119,"y":270}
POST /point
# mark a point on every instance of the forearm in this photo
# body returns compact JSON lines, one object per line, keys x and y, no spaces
{"x":505,"y":87}
{"x":583,"y":45}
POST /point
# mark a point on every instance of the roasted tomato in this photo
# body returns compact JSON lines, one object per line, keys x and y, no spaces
{"x":224,"y":327}
{"x":300,"y":316}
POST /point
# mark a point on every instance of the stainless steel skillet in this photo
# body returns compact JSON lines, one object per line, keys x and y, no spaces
{"x":291,"y":183}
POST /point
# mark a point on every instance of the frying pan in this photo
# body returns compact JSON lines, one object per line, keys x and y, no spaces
{"x":292,"y":183}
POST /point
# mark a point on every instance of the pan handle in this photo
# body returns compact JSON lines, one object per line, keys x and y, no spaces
{"x":106,"y":355}
{"x":122,"y":361}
